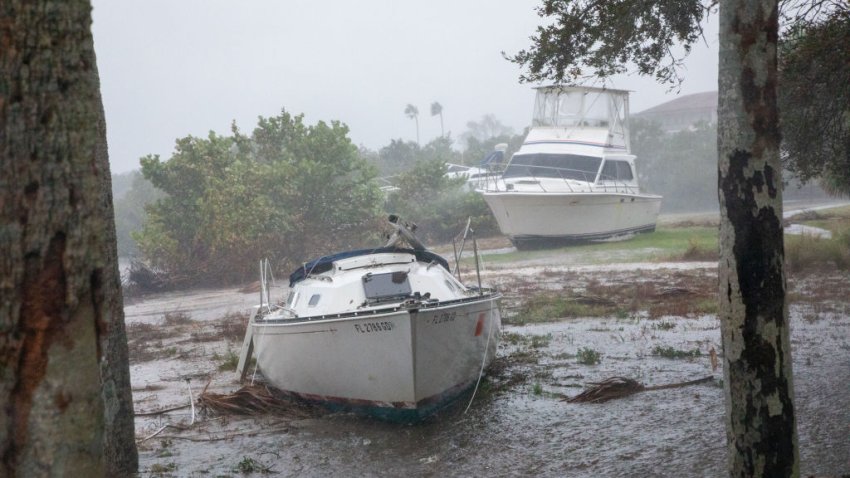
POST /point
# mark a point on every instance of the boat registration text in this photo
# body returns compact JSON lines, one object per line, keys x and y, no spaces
{"x":372,"y":327}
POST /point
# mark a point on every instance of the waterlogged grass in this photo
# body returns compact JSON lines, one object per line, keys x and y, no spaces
{"x":808,"y":252}
{"x":160,"y":469}
{"x":672,"y":353}
{"x":229,"y":361}
{"x":546,"y":307}
{"x":249,"y":465}
{"x":804,"y":252}
{"x":620,"y":301}
{"x":588,"y":356}
{"x":686,"y":306}
{"x":537,"y":389}
{"x":530,"y":341}
{"x":540,"y":341}
{"x":512,"y":338}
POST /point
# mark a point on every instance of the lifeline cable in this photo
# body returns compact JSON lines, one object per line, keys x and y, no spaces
{"x":483,"y":359}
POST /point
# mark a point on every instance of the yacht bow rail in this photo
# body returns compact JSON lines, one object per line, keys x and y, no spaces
{"x":595,"y":182}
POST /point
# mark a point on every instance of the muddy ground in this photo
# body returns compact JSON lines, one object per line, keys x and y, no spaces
{"x":653,"y":322}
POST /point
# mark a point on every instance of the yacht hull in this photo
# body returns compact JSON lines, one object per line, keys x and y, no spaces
{"x":400,"y":364}
{"x":539,"y":220}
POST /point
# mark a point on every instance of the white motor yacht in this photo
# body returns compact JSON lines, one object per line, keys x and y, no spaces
{"x":574,"y":178}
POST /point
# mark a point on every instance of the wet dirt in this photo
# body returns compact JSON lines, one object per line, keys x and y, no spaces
{"x":518,"y":424}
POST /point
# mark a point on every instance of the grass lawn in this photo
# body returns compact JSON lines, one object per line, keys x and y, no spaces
{"x":688,"y":242}
{"x":666,"y":243}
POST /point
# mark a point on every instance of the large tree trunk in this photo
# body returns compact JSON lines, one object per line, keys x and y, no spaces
{"x":760,"y":422}
{"x":119,"y":441}
{"x":62,"y":348}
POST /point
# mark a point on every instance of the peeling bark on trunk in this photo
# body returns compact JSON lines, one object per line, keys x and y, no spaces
{"x":760,"y":423}
{"x":62,"y":346}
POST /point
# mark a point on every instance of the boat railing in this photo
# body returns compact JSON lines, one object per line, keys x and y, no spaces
{"x":611,"y":184}
{"x":564,"y":174}
{"x":489,"y":181}
{"x":569,"y":176}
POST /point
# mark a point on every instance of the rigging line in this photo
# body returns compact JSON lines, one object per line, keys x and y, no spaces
{"x":486,"y":348}
{"x":483,"y":359}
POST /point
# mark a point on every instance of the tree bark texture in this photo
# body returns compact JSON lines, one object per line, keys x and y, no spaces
{"x":760,"y":421}
{"x":64,"y":379}
{"x":119,"y":449}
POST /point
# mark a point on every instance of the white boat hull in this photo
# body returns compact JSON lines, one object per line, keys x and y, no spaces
{"x":398,"y":363}
{"x":545,"y":219}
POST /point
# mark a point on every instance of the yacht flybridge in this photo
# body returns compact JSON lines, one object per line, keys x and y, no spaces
{"x":574,"y":177}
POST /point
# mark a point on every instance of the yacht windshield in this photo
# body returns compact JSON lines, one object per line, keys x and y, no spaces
{"x":564,"y":166}
{"x":386,"y":286}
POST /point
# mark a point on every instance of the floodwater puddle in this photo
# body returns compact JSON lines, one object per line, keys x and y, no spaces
{"x":518,"y":423}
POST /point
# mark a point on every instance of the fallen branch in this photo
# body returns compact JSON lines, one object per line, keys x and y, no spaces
{"x":619,"y":387}
{"x":159,"y":412}
{"x":197,"y":439}
{"x":254,"y":400}
{"x":176,"y":427}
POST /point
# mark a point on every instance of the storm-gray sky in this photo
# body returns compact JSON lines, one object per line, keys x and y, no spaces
{"x":173,"y":68}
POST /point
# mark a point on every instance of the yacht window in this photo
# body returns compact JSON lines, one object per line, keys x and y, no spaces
{"x":624,"y":171}
{"x":616,"y":170}
{"x":292,"y":299}
{"x":389,"y":285}
{"x":314,"y":299}
{"x":565,"y":166}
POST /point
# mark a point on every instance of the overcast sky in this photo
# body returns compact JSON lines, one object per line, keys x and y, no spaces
{"x":173,"y":68}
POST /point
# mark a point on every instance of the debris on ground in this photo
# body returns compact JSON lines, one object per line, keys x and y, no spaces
{"x":620,"y":387}
{"x":255,"y":400}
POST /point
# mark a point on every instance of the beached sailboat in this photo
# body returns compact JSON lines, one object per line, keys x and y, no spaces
{"x":386,"y":331}
{"x":574,"y":177}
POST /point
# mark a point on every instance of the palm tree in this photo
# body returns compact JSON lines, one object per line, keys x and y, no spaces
{"x":437,"y":109}
{"x":412,"y":112}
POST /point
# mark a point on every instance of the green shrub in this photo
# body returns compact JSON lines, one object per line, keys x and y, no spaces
{"x":439,"y":205}
{"x":229,"y":362}
{"x":588,"y":356}
{"x":230,"y":200}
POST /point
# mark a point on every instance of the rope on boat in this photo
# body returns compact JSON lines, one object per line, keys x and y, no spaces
{"x":486,"y":347}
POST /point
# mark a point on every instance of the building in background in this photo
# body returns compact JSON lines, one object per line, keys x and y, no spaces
{"x":683,"y":112}
{"x":688,"y":110}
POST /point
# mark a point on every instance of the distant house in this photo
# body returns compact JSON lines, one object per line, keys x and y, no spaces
{"x":683,"y":112}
